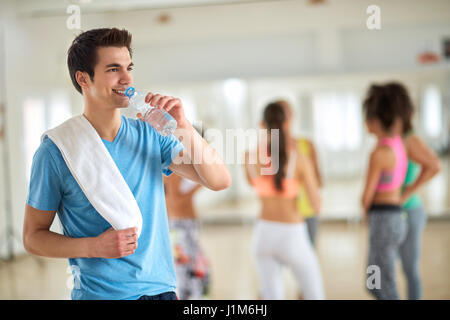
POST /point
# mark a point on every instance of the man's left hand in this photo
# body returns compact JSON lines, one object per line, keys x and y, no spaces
{"x":171,"y":105}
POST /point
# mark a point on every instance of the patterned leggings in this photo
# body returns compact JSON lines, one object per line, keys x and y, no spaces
{"x":191,"y":266}
{"x":387,"y":232}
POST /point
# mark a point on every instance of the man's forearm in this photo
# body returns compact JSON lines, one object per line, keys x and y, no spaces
{"x":204,"y":159}
{"x":50,"y":244}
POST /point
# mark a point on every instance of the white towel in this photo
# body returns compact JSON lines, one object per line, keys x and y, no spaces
{"x":96,"y":172}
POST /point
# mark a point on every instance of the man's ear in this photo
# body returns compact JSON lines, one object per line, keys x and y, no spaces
{"x":262,"y":125}
{"x":81,"y":78}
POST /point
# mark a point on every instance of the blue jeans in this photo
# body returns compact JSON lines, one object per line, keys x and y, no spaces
{"x":410,"y":251}
{"x":162,"y":296}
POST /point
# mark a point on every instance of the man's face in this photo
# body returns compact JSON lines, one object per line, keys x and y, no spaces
{"x":112,"y":73}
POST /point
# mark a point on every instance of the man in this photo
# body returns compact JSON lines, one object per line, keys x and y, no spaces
{"x":113,"y":264}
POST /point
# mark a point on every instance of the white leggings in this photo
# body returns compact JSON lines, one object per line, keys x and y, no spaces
{"x":277,"y":244}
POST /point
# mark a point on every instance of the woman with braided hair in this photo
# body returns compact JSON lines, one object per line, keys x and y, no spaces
{"x":280,"y":236}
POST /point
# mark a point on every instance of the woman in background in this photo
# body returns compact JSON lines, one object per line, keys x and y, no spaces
{"x":423,"y":164}
{"x":280,"y":236}
{"x":382,"y":197}
{"x":191,"y":266}
{"x":307,"y":149}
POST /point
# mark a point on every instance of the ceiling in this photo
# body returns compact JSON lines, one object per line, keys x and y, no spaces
{"x":39,"y":8}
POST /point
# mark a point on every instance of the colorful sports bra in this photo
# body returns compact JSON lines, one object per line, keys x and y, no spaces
{"x":264,"y":185}
{"x":394,"y":179}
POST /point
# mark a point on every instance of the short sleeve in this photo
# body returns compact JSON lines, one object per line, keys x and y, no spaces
{"x":170,"y":148}
{"x":44,"y":191}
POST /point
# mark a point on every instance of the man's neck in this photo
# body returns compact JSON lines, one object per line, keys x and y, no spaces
{"x":105,"y":121}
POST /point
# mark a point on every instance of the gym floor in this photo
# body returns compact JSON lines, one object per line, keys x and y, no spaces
{"x":341,"y":247}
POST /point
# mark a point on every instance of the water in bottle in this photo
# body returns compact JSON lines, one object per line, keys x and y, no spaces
{"x":159,"y":119}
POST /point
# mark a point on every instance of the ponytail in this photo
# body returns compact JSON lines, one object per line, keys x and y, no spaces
{"x":274,"y":117}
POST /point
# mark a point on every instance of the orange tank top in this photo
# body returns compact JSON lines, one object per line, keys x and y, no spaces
{"x":264,"y":185}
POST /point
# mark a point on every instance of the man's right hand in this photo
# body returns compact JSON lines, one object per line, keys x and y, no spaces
{"x":113,"y":244}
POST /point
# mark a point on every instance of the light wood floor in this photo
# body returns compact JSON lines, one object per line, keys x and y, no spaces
{"x":342,"y":251}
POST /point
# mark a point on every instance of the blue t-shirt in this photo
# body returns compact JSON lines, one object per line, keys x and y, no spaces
{"x":141,"y":155}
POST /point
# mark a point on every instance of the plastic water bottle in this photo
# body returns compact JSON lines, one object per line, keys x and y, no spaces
{"x":159,"y":119}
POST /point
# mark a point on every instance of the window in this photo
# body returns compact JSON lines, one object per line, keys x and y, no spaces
{"x":59,"y":110}
{"x":34,"y":127}
{"x":39,"y":117}
{"x":235,"y":91}
{"x":432,"y":111}
{"x":337,"y":120}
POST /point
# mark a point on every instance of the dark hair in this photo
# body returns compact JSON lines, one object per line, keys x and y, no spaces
{"x":387,"y":103}
{"x":82,"y":54}
{"x":274,"y":117}
{"x":405,"y":103}
{"x":286,"y":107}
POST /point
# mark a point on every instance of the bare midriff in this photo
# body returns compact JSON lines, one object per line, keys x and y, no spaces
{"x":181,"y":209}
{"x":280,"y":209}
{"x":387,"y":197}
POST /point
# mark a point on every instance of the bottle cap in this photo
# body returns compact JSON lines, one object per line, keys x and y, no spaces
{"x":129,"y":92}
